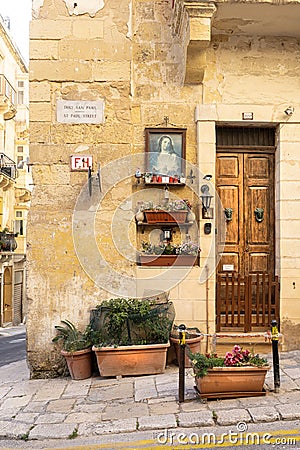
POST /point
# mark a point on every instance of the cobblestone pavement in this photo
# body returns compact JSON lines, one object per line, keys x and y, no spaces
{"x":37,"y":409}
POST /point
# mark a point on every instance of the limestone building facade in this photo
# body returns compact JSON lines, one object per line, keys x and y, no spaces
{"x":107,"y":77}
{"x":15,"y":178}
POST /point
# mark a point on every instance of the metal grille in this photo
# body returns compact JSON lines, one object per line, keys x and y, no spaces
{"x":245,"y":137}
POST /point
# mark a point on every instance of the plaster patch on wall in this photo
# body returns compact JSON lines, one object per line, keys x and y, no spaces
{"x":36,"y":5}
{"x":78,"y":7}
{"x":81,"y":148}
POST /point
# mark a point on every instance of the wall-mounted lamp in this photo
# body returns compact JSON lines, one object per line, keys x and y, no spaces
{"x":289,"y":111}
{"x":207,"y":211}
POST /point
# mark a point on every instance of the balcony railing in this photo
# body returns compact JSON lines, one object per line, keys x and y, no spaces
{"x":8,"y":166}
{"x":7,"y":90}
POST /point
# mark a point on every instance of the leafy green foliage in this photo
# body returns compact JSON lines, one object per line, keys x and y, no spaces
{"x":236,"y":358}
{"x":131,"y":322}
{"x":71,"y":338}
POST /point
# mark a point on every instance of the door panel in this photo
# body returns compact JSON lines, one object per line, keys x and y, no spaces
{"x":259,"y":231}
{"x":230,"y":191}
{"x":248,"y":238}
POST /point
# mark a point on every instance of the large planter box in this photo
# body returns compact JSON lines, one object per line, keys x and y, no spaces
{"x":168,"y":260}
{"x":131,"y":359}
{"x":225,"y":382}
{"x":166,"y":216}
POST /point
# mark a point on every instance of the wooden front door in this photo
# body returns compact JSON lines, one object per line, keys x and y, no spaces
{"x":245,"y":239}
{"x":245,"y":185}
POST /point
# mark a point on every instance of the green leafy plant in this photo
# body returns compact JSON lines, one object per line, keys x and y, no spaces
{"x":131,"y":321}
{"x":71,"y":338}
{"x":236,"y":358}
{"x":187,"y":248}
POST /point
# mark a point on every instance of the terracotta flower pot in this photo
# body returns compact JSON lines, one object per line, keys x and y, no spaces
{"x":168,"y":260}
{"x":79,"y":363}
{"x":224,"y":382}
{"x":166,"y":217}
{"x":131,"y":359}
{"x":194,"y":344}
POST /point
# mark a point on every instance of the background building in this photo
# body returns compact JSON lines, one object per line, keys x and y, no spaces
{"x":103,"y":76}
{"x":14,"y":177}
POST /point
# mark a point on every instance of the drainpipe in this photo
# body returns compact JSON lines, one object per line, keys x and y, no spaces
{"x":206,"y":305}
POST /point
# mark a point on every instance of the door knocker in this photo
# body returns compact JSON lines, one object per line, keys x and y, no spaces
{"x":259,"y":214}
{"x":228,"y":214}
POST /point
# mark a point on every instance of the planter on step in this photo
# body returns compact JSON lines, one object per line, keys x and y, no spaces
{"x":230,"y":382}
{"x":79,"y":363}
{"x":132,"y":359}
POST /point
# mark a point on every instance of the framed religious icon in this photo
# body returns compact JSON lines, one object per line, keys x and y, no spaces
{"x":165,"y":152}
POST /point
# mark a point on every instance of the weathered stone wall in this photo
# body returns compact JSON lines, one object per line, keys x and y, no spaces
{"x":127,"y":54}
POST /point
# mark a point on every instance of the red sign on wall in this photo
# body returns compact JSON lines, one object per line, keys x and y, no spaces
{"x":81,"y":162}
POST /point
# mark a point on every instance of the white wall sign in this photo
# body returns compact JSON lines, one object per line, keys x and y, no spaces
{"x":228,"y":267}
{"x":80,"y":111}
{"x":81,"y":162}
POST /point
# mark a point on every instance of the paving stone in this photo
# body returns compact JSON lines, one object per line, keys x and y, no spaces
{"x":118,"y":426}
{"x":26,"y":417}
{"x":164,"y":408}
{"x":36,"y":407}
{"x":289,"y":412}
{"x":161,"y":399}
{"x":26,"y":388}
{"x":4,"y":391}
{"x":264,"y":414}
{"x":92,"y":408}
{"x":121,"y":390}
{"x":51,"y":418}
{"x":141,"y":382}
{"x":81,"y":417}
{"x":223,"y":404}
{"x":15,"y":402}
{"x":15,"y":430}
{"x":232,"y":416}
{"x":49,"y":391}
{"x":269,"y":399}
{"x":145,"y":394}
{"x":119,"y":411}
{"x":78,"y":388}
{"x":61,"y":405}
{"x":287,"y":397}
{"x":293,"y":373}
{"x":195,"y":419}
{"x":52,"y":431}
{"x":195,"y":405}
{"x":157,"y":422}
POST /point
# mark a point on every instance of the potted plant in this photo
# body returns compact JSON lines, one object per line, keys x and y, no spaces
{"x":8,"y":242}
{"x":167,"y":254}
{"x":193,"y":338}
{"x":76,"y":348}
{"x":131,"y":336}
{"x":239,"y":374}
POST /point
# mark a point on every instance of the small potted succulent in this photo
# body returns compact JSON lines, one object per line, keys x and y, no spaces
{"x":76,"y":348}
{"x":240,"y":373}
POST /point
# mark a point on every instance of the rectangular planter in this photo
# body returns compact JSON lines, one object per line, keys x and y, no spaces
{"x":225,"y":382}
{"x":132,"y":359}
{"x":166,"y":216}
{"x":168,"y":260}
